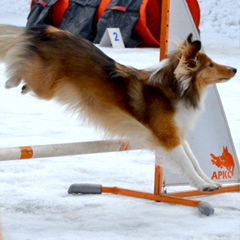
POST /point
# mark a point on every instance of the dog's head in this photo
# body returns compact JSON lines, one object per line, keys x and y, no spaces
{"x":188,"y":71}
{"x":195,"y":67}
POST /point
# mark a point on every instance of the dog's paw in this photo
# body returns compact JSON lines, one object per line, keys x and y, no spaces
{"x":218,"y":184}
{"x":208,"y":180}
{"x":209,"y":188}
{"x":10,"y":83}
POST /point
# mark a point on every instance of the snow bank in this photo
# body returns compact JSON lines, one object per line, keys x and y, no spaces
{"x":221,"y":16}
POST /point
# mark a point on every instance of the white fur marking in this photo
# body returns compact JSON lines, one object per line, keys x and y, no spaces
{"x":185,"y":117}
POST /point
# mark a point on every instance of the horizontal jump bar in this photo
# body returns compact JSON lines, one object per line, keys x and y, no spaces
{"x":63,"y":149}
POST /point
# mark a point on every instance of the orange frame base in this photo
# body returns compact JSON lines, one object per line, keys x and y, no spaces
{"x":172,"y":198}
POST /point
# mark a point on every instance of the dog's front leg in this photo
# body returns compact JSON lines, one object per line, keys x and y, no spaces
{"x":178,"y":161}
{"x":196,"y":164}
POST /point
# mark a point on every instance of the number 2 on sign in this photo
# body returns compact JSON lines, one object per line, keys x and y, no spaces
{"x":116,"y":39}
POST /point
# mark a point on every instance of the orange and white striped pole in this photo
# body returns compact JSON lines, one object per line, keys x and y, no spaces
{"x":64,"y":149}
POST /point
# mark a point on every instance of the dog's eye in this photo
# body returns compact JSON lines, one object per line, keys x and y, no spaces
{"x":211,"y":65}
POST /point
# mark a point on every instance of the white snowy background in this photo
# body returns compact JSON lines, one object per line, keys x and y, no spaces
{"x":34,"y":203}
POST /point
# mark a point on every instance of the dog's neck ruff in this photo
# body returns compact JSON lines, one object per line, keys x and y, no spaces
{"x":186,"y":116}
{"x":178,"y":80}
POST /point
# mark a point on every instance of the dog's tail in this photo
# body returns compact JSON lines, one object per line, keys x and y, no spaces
{"x":9,"y":37}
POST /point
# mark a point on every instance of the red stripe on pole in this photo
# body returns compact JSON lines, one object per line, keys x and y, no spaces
{"x":26,"y":152}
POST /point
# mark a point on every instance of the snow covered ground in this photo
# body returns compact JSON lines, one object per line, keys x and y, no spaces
{"x":34,"y":203}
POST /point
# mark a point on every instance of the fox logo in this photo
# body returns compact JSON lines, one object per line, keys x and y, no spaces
{"x":226,"y":161}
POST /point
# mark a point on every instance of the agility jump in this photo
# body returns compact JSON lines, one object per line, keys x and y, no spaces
{"x":70,"y":149}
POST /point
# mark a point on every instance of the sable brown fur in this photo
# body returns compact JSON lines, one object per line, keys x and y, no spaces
{"x":145,"y":106}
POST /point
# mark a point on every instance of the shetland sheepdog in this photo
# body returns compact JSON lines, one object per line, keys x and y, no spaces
{"x":152,"y":108}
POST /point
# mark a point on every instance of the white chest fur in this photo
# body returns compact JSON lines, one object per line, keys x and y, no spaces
{"x":185,"y":117}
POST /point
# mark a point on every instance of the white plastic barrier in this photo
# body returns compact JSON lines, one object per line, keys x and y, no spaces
{"x":211,"y":134}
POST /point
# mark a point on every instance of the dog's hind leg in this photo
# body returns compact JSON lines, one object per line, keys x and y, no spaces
{"x":178,"y":161}
{"x":196,"y":164}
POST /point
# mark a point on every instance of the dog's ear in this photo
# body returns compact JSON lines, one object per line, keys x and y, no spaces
{"x":193,"y":47}
{"x":187,"y":62}
{"x":189,"y":38}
